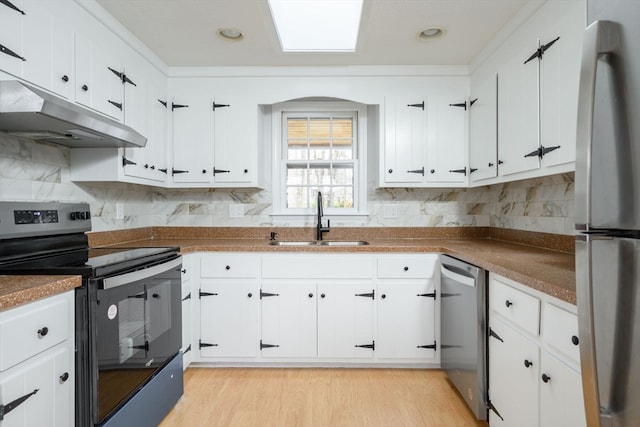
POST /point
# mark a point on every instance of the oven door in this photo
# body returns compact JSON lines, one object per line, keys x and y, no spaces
{"x":137,"y":328}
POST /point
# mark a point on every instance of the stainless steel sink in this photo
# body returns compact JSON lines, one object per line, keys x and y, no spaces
{"x":342,"y":243}
{"x":292,"y":243}
{"x":318,"y":243}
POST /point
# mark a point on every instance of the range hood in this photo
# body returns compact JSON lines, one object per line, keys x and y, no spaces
{"x":33,"y":113}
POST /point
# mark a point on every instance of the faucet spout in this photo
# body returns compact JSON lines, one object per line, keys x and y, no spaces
{"x":320,"y":229}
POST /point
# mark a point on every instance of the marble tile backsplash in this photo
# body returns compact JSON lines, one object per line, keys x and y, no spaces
{"x":40,"y":172}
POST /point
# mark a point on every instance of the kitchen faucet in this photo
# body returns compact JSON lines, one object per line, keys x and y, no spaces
{"x":319,"y":227}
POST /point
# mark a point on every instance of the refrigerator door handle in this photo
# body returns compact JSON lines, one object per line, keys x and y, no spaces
{"x":600,"y":38}
{"x":584,"y":291}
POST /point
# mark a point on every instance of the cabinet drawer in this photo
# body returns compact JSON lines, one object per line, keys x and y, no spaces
{"x":229,"y":266}
{"x":515,"y":305}
{"x":32,"y":328}
{"x":407,"y":266}
{"x":560,"y":331}
{"x":325,"y":266}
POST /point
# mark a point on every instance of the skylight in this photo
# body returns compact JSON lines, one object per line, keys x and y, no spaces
{"x":317,"y":25}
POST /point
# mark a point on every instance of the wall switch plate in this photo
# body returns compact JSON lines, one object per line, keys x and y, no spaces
{"x":390,"y":211}
{"x":236,"y":211}
{"x":119,"y":211}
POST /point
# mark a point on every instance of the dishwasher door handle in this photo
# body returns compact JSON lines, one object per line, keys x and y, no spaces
{"x":448,"y":272}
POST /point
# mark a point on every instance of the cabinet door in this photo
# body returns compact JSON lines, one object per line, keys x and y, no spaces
{"x":406,"y":320}
{"x":405,"y":140}
{"x":229,"y":318}
{"x":187,"y":344}
{"x":235,"y":136}
{"x":51,"y":375}
{"x":561,"y":401}
{"x":559,"y":72}
{"x":11,"y":23}
{"x":289,"y":319}
{"x":37,"y":44}
{"x":62,"y":57}
{"x":483,"y":128}
{"x":192,"y":140}
{"x":518,"y":132}
{"x":514,"y":365}
{"x":345,"y":320}
{"x":447,"y":140}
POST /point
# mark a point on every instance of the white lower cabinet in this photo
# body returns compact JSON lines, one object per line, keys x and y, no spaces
{"x":346,"y":319}
{"x":534,"y":370}
{"x":317,"y":308}
{"x":37,"y":363}
{"x":229,"y":318}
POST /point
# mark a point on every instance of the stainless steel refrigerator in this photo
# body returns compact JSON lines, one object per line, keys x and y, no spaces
{"x":608,"y":213}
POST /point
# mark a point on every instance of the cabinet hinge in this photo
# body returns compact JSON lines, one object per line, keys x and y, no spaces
{"x":126,"y":162}
{"x":460,"y":104}
{"x":219,"y":106}
{"x":429,"y":295}
{"x":421,"y":105}
{"x":473,"y":101}
{"x":493,"y":408}
{"x":177,"y":171}
{"x":5,"y":409}
{"x":206,"y":344}
{"x":541,"y":151}
{"x":9,"y":52}
{"x":118,"y":105}
{"x":262,"y":345}
{"x":206,"y":294}
{"x":541,"y":50}
{"x":164,"y":103}
{"x":174,"y":106}
{"x":14,"y":7}
{"x":267,"y":294}
{"x":372,"y":346}
{"x":371,"y":295}
{"x":493,"y":334}
{"x":187,"y":297}
{"x":462,"y":171}
{"x":420,"y":171}
{"x":433,"y":346}
{"x":217,"y":171}
{"x":187,"y":350}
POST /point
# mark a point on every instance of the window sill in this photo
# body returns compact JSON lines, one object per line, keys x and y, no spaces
{"x":355,"y":216}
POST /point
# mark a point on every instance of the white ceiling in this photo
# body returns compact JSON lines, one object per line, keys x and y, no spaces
{"x":183,"y":32}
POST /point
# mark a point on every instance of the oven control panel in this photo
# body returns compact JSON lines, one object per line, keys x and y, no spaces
{"x":24,"y":219}
{"x":35,"y":217}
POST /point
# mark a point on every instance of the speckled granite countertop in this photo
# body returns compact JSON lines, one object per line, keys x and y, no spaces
{"x":18,"y":290}
{"x":549,"y":269}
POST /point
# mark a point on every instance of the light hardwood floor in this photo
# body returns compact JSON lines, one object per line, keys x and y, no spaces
{"x":236,"y":397}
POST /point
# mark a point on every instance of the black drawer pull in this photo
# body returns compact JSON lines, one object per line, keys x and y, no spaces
{"x":249,"y":295}
{"x":527,"y":363}
{"x":310,"y":295}
{"x":406,"y":268}
{"x":322,"y":295}
{"x":64,"y":377}
{"x":575,"y":340}
{"x":383,"y":296}
{"x":508,"y":303}
{"x":545,"y":378}
{"x":85,"y":88}
{"x":228,"y":267}
{"x":43,"y":332}
{"x":65,"y":78}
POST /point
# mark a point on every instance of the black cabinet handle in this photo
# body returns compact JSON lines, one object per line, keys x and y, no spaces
{"x":204,"y":171}
{"x":64,"y":377}
{"x":322,"y":295}
{"x":85,"y":88}
{"x":12,"y":6}
{"x":390,"y":170}
{"x":310,"y":294}
{"x":246,"y":171}
{"x":383,"y":296}
{"x":527,"y":363}
{"x":43,"y":332}
{"x":508,"y":303}
{"x":406,"y":268}
{"x":249,"y":295}
{"x":432,"y":171}
{"x":490,"y":165}
{"x":9,"y":52}
{"x":228,"y":267}
{"x":545,"y":378}
{"x":575,"y":340}
{"x":156,"y":296}
{"x":64,"y":78}
{"x":184,"y":270}
{"x":146,"y":166}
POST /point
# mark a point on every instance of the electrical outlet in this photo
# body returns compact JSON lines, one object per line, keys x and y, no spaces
{"x":236,"y":211}
{"x":390,"y":211}
{"x":119,"y":211}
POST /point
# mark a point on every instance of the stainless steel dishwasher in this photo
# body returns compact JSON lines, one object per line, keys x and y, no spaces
{"x":463,"y":330}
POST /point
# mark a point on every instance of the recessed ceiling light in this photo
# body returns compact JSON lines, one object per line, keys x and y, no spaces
{"x":317,"y":25}
{"x":230,"y":33}
{"x":431,"y":33}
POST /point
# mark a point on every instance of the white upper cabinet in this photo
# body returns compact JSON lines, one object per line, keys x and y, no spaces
{"x":425,"y":140}
{"x":483,"y":131}
{"x":537,"y":85}
{"x":37,"y":45}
